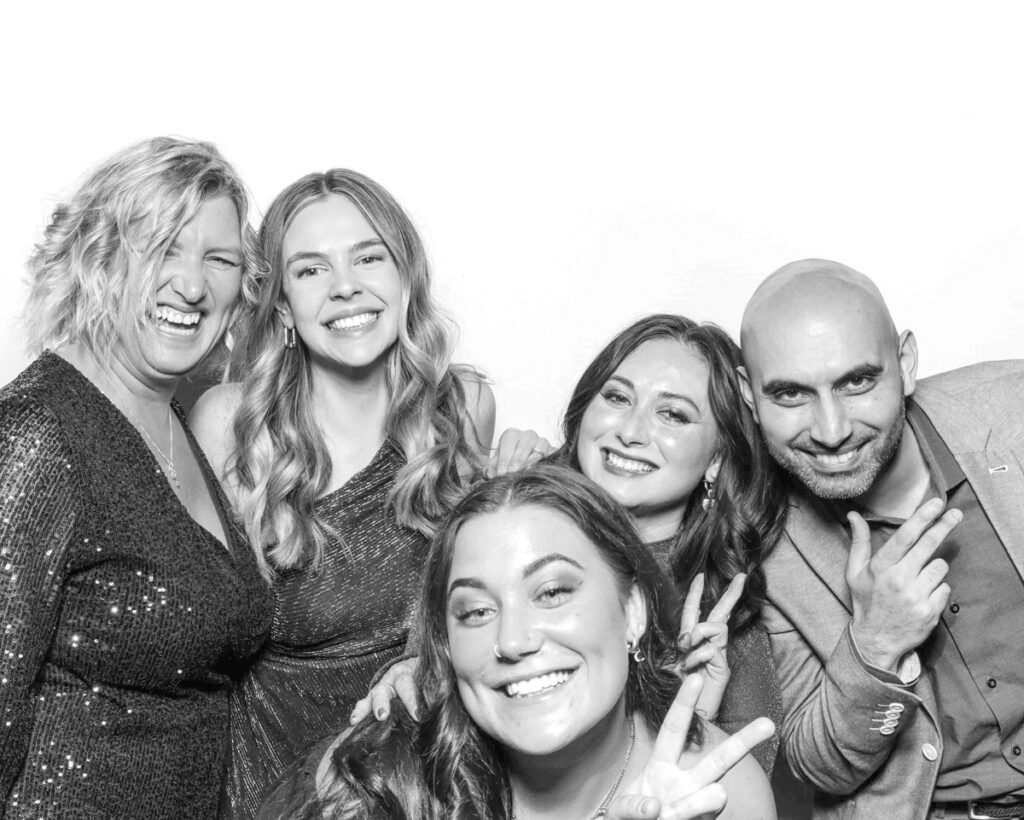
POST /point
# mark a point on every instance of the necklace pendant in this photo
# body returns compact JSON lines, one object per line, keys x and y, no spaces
{"x":173,"y":475}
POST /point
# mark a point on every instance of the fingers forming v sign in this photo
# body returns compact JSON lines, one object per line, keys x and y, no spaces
{"x":691,"y":792}
{"x":703,"y":644}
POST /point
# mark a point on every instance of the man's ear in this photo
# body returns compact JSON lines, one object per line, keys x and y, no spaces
{"x":908,"y":361}
{"x":747,"y":391}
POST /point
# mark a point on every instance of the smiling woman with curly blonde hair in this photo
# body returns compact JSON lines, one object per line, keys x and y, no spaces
{"x":129,"y":600}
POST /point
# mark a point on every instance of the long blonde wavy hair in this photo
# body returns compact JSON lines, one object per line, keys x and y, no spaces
{"x":280,"y":464}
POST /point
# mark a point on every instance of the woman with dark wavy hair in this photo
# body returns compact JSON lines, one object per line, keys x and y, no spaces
{"x":547,"y":668}
{"x":657,"y":419}
{"x":348,"y":439}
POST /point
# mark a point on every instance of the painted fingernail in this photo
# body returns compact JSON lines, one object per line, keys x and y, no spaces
{"x":381,"y":713}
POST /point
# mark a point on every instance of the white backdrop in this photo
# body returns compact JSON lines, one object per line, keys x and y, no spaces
{"x":573,"y":166}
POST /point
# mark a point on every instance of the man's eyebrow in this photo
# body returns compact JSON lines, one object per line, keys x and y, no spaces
{"x":774,"y":386}
{"x":865,"y":370}
{"x":528,"y":570}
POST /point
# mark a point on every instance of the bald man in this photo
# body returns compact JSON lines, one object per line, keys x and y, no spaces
{"x":896,"y":599}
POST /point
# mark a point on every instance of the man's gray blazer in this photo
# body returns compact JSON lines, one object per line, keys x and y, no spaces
{"x":836,"y":733}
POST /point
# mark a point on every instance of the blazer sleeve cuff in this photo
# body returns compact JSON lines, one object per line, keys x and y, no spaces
{"x":908,"y":670}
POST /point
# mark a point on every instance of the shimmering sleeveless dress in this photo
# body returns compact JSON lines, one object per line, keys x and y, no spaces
{"x":332,"y":630}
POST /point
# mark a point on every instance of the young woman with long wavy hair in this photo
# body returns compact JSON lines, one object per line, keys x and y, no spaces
{"x":348,"y":439}
{"x":548,"y":678}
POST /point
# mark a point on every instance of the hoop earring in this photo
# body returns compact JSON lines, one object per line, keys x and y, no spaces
{"x":633,"y":648}
{"x":291,"y":339}
{"x":709,"y":500}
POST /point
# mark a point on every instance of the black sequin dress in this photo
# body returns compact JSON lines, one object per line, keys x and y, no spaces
{"x":123,"y":619}
{"x":333,"y":629}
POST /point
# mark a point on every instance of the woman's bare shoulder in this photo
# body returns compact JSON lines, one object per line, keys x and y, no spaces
{"x":479,"y":404}
{"x":211,"y":422}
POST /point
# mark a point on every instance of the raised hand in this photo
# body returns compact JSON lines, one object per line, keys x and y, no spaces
{"x":899,"y":592}
{"x":671,"y":791}
{"x":516,"y":450}
{"x":397,"y":681}
{"x":703,"y":644}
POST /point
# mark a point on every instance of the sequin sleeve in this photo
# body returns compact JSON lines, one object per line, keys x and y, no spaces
{"x":38,"y":500}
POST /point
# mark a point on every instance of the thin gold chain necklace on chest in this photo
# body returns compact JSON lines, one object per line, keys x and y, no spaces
{"x":172,"y":473}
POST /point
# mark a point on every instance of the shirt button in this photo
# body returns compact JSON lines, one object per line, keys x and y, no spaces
{"x":930,"y":752}
{"x":896,"y":707}
{"x":954,"y":608}
{"x":991,"y":682}
{"x":886,"y":730}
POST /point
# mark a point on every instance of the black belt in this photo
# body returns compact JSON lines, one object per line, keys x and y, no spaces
{"x":979,"y":810}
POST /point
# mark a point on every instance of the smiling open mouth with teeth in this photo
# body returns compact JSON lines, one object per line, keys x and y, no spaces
{"x":835,"y":459}
{"x":532,"y":686}
{"x":356,"y":322}
{"x":177,"y":321}
{"x":628,"y":464}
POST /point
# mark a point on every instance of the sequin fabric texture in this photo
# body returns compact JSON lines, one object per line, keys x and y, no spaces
{"x":333,"y":629}
{"x":123,"y":619}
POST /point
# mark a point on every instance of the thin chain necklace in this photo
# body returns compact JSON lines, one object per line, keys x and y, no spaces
{"x":172,"y":473}
{"x":602,"y":809}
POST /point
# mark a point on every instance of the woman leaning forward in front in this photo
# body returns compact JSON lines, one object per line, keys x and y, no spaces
{"x":547,"y":673}
{"x":350,"y":438}
{"x":128,"y":599}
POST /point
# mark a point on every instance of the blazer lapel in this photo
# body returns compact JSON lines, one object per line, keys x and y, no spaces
{"x":823,"y":542}
{"x":989,"y":458}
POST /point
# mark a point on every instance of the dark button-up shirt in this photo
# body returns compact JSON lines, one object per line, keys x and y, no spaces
{"x":973,"y":658}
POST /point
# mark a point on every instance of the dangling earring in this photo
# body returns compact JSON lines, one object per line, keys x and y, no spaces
{"x":290,"y":339}
{"x":633,"y":648}
{"x":709,"y":499}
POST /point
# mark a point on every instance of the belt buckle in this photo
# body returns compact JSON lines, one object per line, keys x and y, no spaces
{"x":974,"y":814}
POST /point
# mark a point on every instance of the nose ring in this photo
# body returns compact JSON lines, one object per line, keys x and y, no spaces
{"x":497,"y":653}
